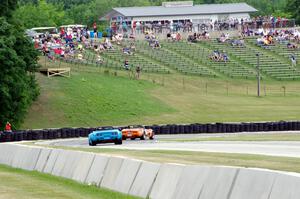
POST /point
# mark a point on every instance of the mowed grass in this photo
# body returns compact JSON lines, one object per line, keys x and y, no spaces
{"x":17,"y":183}
{"x":202,"y":158}
{"x":88,"y":99}
{"x":94,"y":99}
{"x":246,"y":137}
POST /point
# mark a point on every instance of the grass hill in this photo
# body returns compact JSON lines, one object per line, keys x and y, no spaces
{"x":96,"y":96}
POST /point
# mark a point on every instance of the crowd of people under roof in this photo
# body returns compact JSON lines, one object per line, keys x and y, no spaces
{"x":165,"y":26}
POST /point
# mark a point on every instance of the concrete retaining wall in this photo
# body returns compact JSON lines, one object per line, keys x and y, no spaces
{"x":154,"y":180}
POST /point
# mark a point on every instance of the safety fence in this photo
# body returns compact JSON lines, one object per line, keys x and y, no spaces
{"x":61,"y":133}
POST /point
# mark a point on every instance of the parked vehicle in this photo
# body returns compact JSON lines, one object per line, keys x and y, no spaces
{"x":134,"y":132}
{"x":105,"y":135}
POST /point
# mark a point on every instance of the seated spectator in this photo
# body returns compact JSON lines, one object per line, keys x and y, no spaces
{"x":101,"y":47}
{"x":291,"y":46}
{"x":156,"y":44}
{"x":131,"y":36}
{"x":192,"y":38}
{"x":259,"y":41}
{"x":51,"y":56}
{"x":173,"y":36}
{"x":222,"y":38}
{"x":226,"y":36}
{"x":80,"y":56}
{"x":178,"y":36}
{"x":127,"y":51}
{"x":238,"y":42}
{"x":205,"y":35}
{"x":215,"y":56}
{"x":132,"y":47}
{"x":169,"y":38}
{"x":62,"y":53}
{"x":225,"y":57}
{"x":99,"y":60}
{"x":80,"y":47}
{"x":126,"y":64}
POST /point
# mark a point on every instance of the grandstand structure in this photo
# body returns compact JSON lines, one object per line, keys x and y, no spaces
{"x":194,"y":59}
{"x":179,"y":11}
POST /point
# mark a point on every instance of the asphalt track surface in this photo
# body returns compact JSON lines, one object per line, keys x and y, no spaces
{"x":270,"y":148}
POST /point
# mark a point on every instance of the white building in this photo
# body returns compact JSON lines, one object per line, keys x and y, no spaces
{"x":180,"y":11}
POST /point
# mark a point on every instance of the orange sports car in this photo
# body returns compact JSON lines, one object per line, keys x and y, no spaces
{"x":133,"y":132}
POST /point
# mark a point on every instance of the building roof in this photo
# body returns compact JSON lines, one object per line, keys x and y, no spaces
{"x":185,"y":10}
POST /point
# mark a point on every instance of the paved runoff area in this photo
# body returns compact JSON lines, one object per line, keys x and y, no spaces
{"x":271,"y":148}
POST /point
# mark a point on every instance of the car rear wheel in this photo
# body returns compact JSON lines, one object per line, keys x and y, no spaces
{"x":151,"y":138}
{"x":118,"y":142}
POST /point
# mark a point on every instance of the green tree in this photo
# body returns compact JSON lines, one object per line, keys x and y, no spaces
{"x":42,"y":14}
{"x":293,"y":8}
{"x":18,"y":62}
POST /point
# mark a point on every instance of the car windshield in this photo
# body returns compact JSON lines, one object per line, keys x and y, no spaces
{"x":135,"y":126}
{"x":106,"y":128}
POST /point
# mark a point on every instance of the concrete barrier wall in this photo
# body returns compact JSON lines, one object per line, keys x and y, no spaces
{"x":219,"y":182}
{"x":83,"y":166}
{"x":51,"y":160}
{"x":286,"y":186}
{"x":166,"y":181}
{"x":96,"y":172}
{"x":144,"y":179}
{"x":126,"y":176}
{"x":154,"y":180}
{"x":111,"y":172}
{"x":191,"y":182}
{"x":43,"y":158}
{"x":253,"y":183}
{"x":7,"y":153}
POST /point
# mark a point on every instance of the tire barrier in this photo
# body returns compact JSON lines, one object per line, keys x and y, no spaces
{"x":196,"y":128}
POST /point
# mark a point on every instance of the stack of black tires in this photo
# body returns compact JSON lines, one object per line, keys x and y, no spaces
{"x":62,"y":133}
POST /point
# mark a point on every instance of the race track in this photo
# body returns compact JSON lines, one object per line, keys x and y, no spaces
{"x":271,"y":148}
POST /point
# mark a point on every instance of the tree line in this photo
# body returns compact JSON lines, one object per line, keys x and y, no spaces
{"x":36,"y":13}
{"x":18,"y":63}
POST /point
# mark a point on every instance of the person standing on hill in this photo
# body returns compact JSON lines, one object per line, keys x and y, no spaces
{"x":7,"y":127}
{"x":293,"y":60}
{"x":126,"y":64}
{"x":95,"y":30}
{"x":138,"y":72}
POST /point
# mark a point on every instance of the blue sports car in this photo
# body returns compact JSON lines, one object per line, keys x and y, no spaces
{"x":105,"y":135}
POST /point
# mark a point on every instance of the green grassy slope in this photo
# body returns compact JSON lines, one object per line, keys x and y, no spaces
{"x":16,"y":183}
{"x":93,"y":99}
{"x":88,"y":99}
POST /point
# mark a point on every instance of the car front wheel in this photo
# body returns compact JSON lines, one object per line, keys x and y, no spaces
{"x":91,"y":143}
